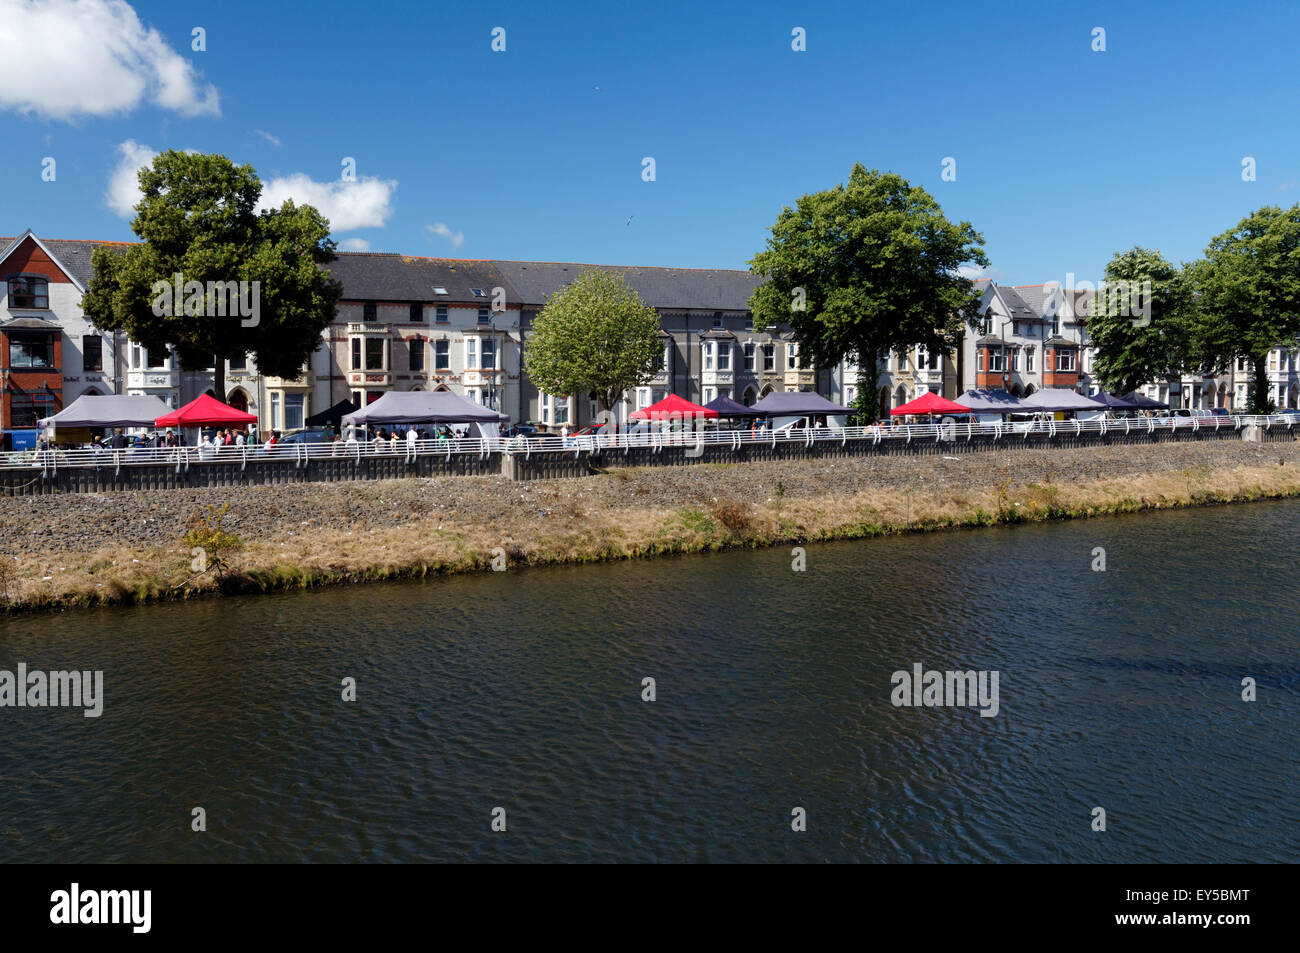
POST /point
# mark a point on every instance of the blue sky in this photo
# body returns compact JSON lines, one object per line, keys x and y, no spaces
{"x":1063,"y":155}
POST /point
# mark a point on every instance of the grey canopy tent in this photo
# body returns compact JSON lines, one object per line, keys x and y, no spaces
{"x":797,"y":404}
{"x":422,"y":406}
{"x":989,"y":400}
{"x":114,"y":410}
{"x":726,"y":407}
{"x":331,"y":415}
{"x":1143,"y":402}
{"x":1115,"y":403}
{"x":1059,"y":398}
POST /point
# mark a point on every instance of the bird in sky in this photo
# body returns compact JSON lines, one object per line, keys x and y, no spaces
{"x":629,"y":219}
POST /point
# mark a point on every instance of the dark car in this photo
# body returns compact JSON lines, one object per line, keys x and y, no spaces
{"x":309,"y":435}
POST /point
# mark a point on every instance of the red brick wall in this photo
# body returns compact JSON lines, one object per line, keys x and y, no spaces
{"x":43,"y":380}
{"x":28,"y":259}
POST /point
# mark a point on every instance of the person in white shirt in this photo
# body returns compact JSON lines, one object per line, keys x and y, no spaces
{"x":411,"y":438}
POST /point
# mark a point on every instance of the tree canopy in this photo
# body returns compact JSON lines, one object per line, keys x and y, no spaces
{"x":198,"y":219}
{"x":865,"y":268}
{"x":1248,"y":295}
{"x":594,"y":334}
{"x":1139,"y":341}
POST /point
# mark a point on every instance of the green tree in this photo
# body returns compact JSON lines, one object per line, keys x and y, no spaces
{"x":594,"y":334}
{"x":1139,"y":321}
{"x":198,"y":218}
{"x":867,"y":268}
{"x":1248,"y":296}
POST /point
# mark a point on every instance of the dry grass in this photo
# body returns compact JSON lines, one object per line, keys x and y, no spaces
{"x":571,"y":534}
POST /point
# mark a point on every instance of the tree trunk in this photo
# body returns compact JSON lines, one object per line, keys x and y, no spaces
{"x":219,"y":378}
{"x":1260,"y":401}
{"x":868,"y":385}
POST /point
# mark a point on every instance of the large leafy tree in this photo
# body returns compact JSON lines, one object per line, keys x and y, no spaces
{"x":865,"y":268}
{"x":1140,"y":336}
{"x":1248,"y":295}
{"x":198,"y":218}
{"x":594,"y":334}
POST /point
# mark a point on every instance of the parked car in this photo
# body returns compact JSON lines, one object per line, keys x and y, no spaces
{"x":1291,"y":416}
{"x":308,"y":435}
{"x":587,"y":431}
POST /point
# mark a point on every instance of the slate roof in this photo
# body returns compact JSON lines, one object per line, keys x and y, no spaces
{"x":368,"y":276}
{"x":1019,"y":308}
{"x":717,"y":289}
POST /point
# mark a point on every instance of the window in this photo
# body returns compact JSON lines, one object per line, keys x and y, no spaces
{"x":1029,"y":360}
{"x":440,"y":315}
{"x":478,"y":292}
{"x":769,"y":357}
{"x":561,"y":411}
{"x":155,"y":360}
{"x":1065,"y":360}
{"x":374,"y":354}
{"x":23,"y":412}
{"x":666,"y":363}
{"x":1241,"y":364}
{"x":417,"y":312}
{"x":642,"y":398}
{"x":92,"y":352}
{"x":416,"y":354}
{"x":979,"y":360}
{"x":997,"y":359}
{"x":1272,"y":360}
{"x":275,"y":411}
{"x":749,"y":355}
{"x":1015,"y":359}
{"x":440,"y":291}
{"x":31,"y":293}
{"x":717,"y":319}
{"x":1015,"y":328}
{"x":238,"y":363}
{"x":441,"y":355}
{"x":1056,"y":324}
{"x":710,"y":393}
{"x":724,"y":355}
{"x":471,"y":352}
{"x":707,"y":350}
{"x":930,"y":359}
{"x":356,"y":354}
{"x":293,"y":411}
{"x":488,"y":354}
{"x":368,"y":311}
{"x":35,"y":350}
{"x":356,"y":398}
{"x":484,"y":315}
{"x":791,"y":356}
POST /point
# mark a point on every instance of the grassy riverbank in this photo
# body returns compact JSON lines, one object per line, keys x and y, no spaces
{"x":122,"y":548}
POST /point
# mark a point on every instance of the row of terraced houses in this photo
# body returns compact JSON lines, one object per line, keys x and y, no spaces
{"x":408,"y":323}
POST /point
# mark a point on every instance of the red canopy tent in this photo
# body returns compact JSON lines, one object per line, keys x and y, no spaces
{"x":202,"y":411}
{"x":929,"y":403}
{"x":672,"y":407}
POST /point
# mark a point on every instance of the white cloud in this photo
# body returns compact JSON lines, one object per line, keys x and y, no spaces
{"x":354,"y":244}
{"x":273,"y":140}
{"x":456,"y":238}
{"x":70,"y":58}
{"x":364,"y":203}
{"x":976,"y":272}
{"x":124,"y":184}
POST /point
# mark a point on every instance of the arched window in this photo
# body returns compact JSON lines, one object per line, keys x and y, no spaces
{"x":29,"y":291}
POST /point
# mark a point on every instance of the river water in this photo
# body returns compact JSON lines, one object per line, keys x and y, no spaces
{"x":524,"y":691}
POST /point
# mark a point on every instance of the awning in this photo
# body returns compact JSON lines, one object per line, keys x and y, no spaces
{"x":726,"y":407}
{"x":1113,"y":402}
{"x":990,"y":400}
{"x":1059,"y":398}
{"x":672,"y":407}
{"x":929,"y":403}
{"x":422,"y":406}
{"x":333,"y":416}
{"x":798,"y":404}
{"x":114,"y":410}
{"x":1142,"y":402}
{"x":205,"y":410}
